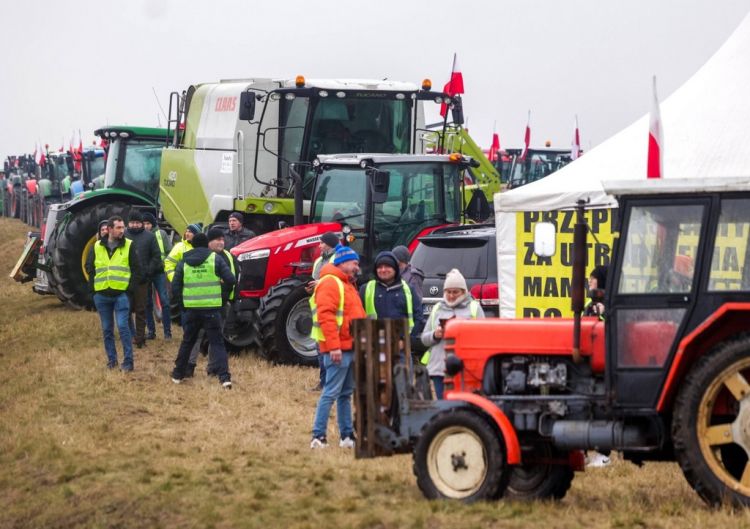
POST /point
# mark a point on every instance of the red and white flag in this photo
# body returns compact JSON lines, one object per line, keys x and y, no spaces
{"x":80,"y":141}
{"x":494,"y":148}
{"x":575,"y":148}
{"x":655,"y":140}
{"x":43,"y":157}
{"x":37,"y":153}
{"x":454,"y":86}
{"x":527,"y":137}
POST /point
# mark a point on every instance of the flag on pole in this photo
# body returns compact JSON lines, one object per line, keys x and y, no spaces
{"x":655,"y":139}
{"x":43,"y":157}
{"x":527,"y":137}
{"x":62,"y":145}
{"x":80,"y":142}
{"x":37,"y":152}
{"x":495,"y":147}
{"x":575,"y":148}
{"x":454,"y":86}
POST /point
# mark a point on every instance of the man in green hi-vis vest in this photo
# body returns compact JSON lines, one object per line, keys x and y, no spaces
{"x":113,"y":270}
{"x":198,"y":282}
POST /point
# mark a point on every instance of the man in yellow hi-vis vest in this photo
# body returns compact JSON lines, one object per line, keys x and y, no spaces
{"x":198,"y":282}
{"x":113,"y":270}
{"x":334,"y":305}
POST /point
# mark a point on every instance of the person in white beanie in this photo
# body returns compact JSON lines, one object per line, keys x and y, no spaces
{"x":456,"y":303}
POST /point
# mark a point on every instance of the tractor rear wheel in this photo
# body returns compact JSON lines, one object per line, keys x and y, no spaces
{"x":542,"y":476}
{"x":74,"y":241}
{"x":286,"y":322}
{"x":460,"y":456}
{"x":711,"y":424}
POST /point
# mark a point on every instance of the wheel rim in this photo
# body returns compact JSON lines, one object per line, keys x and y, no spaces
{"x":84,"y":255}
{"x":723,"y":423}
{"x":298,"y":327}
{"x":457,"y":462}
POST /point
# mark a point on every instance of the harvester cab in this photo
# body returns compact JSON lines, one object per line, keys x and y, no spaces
{"x":374,"y":202}
{"x":666,"y":377}
{"x":236,"y":143}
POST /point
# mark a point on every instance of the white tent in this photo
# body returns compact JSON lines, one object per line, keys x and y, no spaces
{"x":706,"y":130}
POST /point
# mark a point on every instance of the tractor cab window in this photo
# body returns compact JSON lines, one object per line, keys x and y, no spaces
{"x":141,"y":166}
{"x":730,"y":261}
{"x":660,"y":249}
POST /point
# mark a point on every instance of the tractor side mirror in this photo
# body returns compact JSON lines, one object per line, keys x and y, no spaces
{"x":544,"y":239}
{"x":247,"y":106}
{"x":379,"y":180}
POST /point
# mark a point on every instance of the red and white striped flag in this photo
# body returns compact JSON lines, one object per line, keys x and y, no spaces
{"x":527,"y":137}
{"x":37,"y":153}
{"x":655,"y":140}
{"x":575,"y":148}
{"x":80,"y":142}
{"x":454,"y":86}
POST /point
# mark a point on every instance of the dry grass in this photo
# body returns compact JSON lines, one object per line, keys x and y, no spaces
{"x":84,"y":447}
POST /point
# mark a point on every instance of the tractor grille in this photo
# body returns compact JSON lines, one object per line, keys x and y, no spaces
{"x":253,"y":274}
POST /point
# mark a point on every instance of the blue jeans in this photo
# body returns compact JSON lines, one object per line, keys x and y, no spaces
{"x":339,"y":387}
{"x":119,"y":306}
{"x":439,"y":383}
{"x":159,"y":283}
{"x":322,"y":367}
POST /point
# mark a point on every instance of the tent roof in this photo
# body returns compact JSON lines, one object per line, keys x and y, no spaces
{"x":705,"y":128}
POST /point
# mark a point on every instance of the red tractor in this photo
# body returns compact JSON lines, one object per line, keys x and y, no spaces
{"x":373,"y":201}
{"x":665,"y":378}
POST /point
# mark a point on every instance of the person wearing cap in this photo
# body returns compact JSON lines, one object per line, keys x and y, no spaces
{"x":113,"y":270}
{"x":413,"y":276}
{"x":103,"y":230}
{"x":158,"y":281}
{"x":388,"y":295}
{"x":215,"y":238}
{"x":149,"y":260}
{"x":328,"y":242}
{"x":199,"y":279}
{"x":236,"y":233}
{"x":456,"y":303}
{"x":334,"y":304}
{"x":175,"y":255}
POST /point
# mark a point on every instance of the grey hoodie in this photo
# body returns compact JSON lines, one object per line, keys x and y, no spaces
{"x":436,"y":365}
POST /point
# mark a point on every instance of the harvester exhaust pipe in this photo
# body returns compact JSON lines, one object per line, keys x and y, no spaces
{"x":579,"y":277}
{"x":298,"y":198}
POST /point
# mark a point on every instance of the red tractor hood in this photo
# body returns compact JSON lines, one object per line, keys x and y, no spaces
{"x":287,"y":238}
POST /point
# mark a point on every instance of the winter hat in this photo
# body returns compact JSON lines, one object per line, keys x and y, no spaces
{"x":344,"y":254}
{"x":135,"y":216}
{"x":454,"y":279}
{"x":149,"y":217}
{"x":600,"y":274}
{"x":402,"y":254}
{"x":237,"y":215}
{"x":195,"y":228}
{"x":330,"y":239}
{"x":214,"y":233}
{"x":386,"y":258}
{"x":200,"y":241}
{"x":104,"y":222}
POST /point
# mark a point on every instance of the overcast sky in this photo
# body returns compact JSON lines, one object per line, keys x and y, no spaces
{"x":69,"y":65}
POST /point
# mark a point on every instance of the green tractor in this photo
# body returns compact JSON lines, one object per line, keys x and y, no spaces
{"x":131,"y":179}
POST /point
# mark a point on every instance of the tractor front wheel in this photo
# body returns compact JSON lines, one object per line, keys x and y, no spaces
{"x":74,"y":241}
{"x":711,"y":425}
{"x":460,"y":456}
{"x":286,"y":323}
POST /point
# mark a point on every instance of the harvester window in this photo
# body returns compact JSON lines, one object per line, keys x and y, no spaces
{"x":730,"y":261}
{"x":660,"y":248}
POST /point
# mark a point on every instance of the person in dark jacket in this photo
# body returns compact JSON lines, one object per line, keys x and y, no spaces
{"x":237,"y":233}
{"x":199,"y":279}
{"x":413,"y":276}
{"x":158,"y":284}
{"x":149,"y":259}
{"x":113,"y":269}
{"x":389,"y":296}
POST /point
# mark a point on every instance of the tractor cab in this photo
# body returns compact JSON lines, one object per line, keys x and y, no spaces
{"x":135,"y":159}
{"x":387,"y":200}
{"x":517,"y":170}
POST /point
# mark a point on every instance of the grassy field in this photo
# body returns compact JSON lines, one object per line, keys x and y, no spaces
{"x":84,"y":447}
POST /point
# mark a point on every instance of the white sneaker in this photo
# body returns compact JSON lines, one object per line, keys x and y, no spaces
{"x":227,"y":384}
{"x":347,"y":442}
{"x":318,"y":442}
{"x":177,"y":380}
{"x":598,"y":461}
